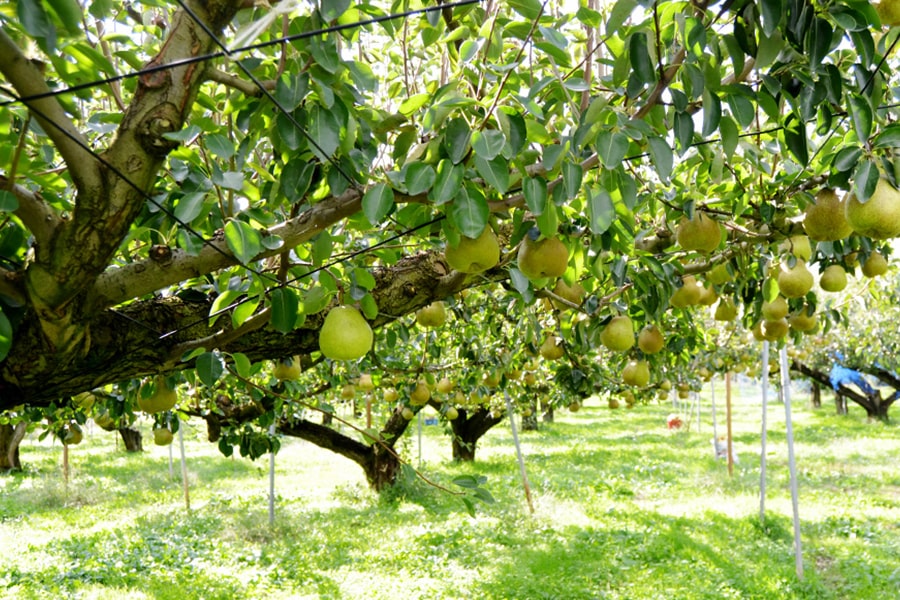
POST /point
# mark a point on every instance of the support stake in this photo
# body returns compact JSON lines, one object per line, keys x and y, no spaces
{"x":792,"y":462}
{"x":184,"y":476}
{"x":272,"y":481}
{"x":762,"y":453}
{"x":519,"y":457}
{"x":729,"y":447}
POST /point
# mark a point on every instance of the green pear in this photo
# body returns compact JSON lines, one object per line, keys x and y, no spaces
{"x":878,"y":217}
{"x":547,"y":257}
{"x":701,"y":233}
{"x":345,"y":334}
{"x":618,"y":335}
{"x":474,"y":255}
{"x":287,"y":369}
{"x":433,"y":315}
{"x":833,"y":279}
{"x":824,"y":220}
{"x":796,"y":281}
{"x":875,"y":265}
{"x":650,"y":340}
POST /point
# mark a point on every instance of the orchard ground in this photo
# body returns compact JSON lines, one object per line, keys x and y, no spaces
{"x":624,"y":509}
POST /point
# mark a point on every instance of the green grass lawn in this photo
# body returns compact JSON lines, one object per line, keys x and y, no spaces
{"x":624,"y":508}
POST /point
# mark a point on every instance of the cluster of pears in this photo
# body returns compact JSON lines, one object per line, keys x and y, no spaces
{"x":830,"y":218}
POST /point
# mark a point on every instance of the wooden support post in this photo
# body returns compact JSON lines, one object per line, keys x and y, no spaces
{"x":519,"y":457}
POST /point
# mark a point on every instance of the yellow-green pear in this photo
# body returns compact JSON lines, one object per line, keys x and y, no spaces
{"x":719,"y":274}
{"x":833,"y":279}
{"x":474,"y":255}
{"x":444,"y":385}
{"x":550,"y":349}
{"x":875,"y":265}
{"x":803,"y":321}
{"x":163,"y":398}
{"x":433,"y":315}
{"x":287,"y":369}
{"x":451,"y":414}
{"x":688,"y":294}
{"x":798,"y":245}
{"x":726,"y":310}
{"x":420,"y":394}
{"x":365,"y":383}
{"x":162,"y":437}
{"x":345,"y":334}
{"x":547,"y":257}
{"x":348,"y":391}
{"x":650,"y":339}
{"x":573,"y":293}
{"x":775,"y":330}
{"x":618,"y":335}
{"x":796,"y":281}
{"x":888,"y":12}
{"x":825,"y":219}
{"x":390,"y":395}
{"x":776,"y":309}
{"x":407,"y":413}
{"x":708,"y":295}
{"x":701,"y":233}
{"x":878,"y":217}
{"x":636,"y":373}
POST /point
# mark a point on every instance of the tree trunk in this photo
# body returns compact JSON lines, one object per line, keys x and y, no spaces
{"x":840,"y":403}
{"x":468,"y":428}
{"x":816,"y":398}
{"x":530,"y":423}
{"x":381,"y":469}
{"x":132,"y":439}
{"x":10,"y":438}
{"x":548,"y":412}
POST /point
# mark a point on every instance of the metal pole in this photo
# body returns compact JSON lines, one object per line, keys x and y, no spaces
{"x":792,"y":463}
{"x":184,"y":477}
{"x":515,"y":434}
{"x":272,"y":481}
{"x":762,"y":454}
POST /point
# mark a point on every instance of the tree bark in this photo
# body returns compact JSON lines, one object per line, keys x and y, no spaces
{"x":132,"y":439}
{"x":530,"y":423}
{"x":815,"y":399}
{"x":840,"y":403}
{"x":468,"y":428}
{"x":11,"y":437}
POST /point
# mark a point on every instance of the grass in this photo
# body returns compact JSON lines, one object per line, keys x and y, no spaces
{"x":623,"y":509}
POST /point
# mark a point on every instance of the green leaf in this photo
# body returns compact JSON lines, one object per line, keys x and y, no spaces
{"x":530,"y":9}
{"x":8,"y":201}
{"x":712,"y":113}
{"x":295,"y":178}
{"x":770,"y":289}
{"x":332,"y":9}
{"x":889,"y":137}
{"x":325,"y":130}
{"x":289,"y":134}
{"x":684,"y":130}
{"x":818,"y":42}
{"x":377,"y":202}
{"x":488,"y":144}
{"x":772,"y":12}
{"x":242,"y":364}
{"x":795,"y":138}
{"x":285,"y":308}
{"x":847,"y":159}
{"x":867,"y":176}
{"x":861,"y":111}
{"x":661,"y":155}
{"x":730,"y":135}
{"x":413,"y":103}
{"x":419,"y":177}
{"x":243,"y":311}
{"x":447,"y":183}
{"x":572,"y":174}
{"x":209,"y":367}
{"x":69,"y":13}
{"x":641,"y":64}
{"x":495,"y":172}
{"x":314,"y":300}
{"x":611,"y":147}
{"x":535,"y":192}
{"x":742,"y":109}
{"x":244,"y":241}
{"x":602,"y":210}
{"x":618,"y":15}
{"x":456,"y":139}
{"x":548,"y":222}
{"x":469,"y":213}
{"x":36,"y":22}
{"x":6,"y":336}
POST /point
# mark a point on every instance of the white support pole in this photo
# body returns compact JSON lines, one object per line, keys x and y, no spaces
{"x":515,"y":434}
{"x":729,"y":443}
{"x":184,"y":475}
{"x":762,"y":452}
{"x":792,"y":463}
{"x":712,"y":393}
{"x":171,"y":466}
{"x":419,"y":417}
{"x":272,"y":481}
{"x":699,"y":403}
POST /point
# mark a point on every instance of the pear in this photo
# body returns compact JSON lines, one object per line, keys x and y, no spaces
{"x":875,"y":265}
{"x":726,"y":310}
{"x":451,"y":414}
{"x":618,"y":335}
{"x":688,"y":294}
{"x":803,"y":321}
{"x":474,"y":255}
{"x":573,"y":293}
{"x":445,"y":386}
{"x":833,"y":279}
{"x":365,"y":383}
{"x":774,"y":330}
{"x":73,"y":435}
{"x":287,"y":369}
{"x":888,"y":12}
{"x":433,"y":315}
{"x":719,"y":274}
{"x":708,"y":295}
{"x":824,"y":220}
{"x":879,"y":217}
{"x":776,"y":309}
{"x":345,"y":334}
{"x":390,"y":395}
{"x":798,"y":245}
{"x":650,"y":340}
{"x":407,"y":413}
{"x":636,"y":373}
{"x":162,"y":437}
{"x":348,"y":391}
{"x":547,"y":257}
{"x":613,"y":403}
{"x":550,"y":349}
{"x":701,"y":233}
{"x":796,"y":281}
{"x":162,"y":399}
{"x":420,"y":395}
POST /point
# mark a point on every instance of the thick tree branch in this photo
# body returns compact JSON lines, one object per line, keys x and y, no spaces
{"x":27,"y":79}
{"x":38,"y":216}
{"x":248,"y":88}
